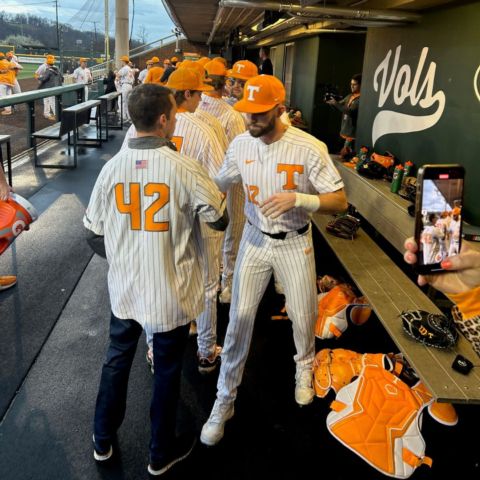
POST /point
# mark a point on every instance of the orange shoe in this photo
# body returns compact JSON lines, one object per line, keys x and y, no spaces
{"x":7,"y":281}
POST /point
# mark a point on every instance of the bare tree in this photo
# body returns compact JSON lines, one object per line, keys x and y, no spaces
{"x":142,"y":34}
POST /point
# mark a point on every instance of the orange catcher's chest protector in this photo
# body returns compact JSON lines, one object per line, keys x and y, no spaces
{"x":16,"y":214}
{"x":378,"y":417}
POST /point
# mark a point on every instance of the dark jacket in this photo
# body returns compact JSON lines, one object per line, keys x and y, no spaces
{"x":109,"y":82}
{"x":349,"y":108}
{"x":168,"y":71}
{"x":51,"y":78}
{"x":266,"y":67}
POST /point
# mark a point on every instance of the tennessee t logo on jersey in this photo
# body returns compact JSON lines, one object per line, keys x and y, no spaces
{"x":290,"y":170}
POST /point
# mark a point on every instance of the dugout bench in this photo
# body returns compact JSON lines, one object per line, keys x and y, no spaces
{"x":72,"y":118}
{"x":390,"y":291}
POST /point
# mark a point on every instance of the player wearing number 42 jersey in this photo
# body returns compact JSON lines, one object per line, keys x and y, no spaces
{"x":286,"y":174}
{"x":146,"y":204}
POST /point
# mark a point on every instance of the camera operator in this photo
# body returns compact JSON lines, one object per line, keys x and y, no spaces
{"x":349,"y":108}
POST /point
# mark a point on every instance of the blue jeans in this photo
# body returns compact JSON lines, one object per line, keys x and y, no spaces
{"x":168,"y":351}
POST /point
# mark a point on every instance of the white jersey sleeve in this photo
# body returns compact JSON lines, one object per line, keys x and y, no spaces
{"x":207,"y":201}
{"x":229,"y":173}
{"x":94,"y":215}
{"x":321,"y":172}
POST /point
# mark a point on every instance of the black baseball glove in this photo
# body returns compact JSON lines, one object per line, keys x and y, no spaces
{"x":430,"y":329}
{"x":344,"y":226}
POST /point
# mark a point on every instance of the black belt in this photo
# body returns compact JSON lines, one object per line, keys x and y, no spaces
{"x":283,"y":235}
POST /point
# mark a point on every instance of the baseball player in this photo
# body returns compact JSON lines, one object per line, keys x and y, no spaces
{"x":203,"y":115}
{"x":7,"y":80}
{"x":143,"y":74}
{"x":196,"y":140}
{"x":82,"y":74}
{"x":233,"y":124}
{"x":142,"y":213}
{"x":126,"y":79}
{"x":155,"y":72}
{"x":13,"y":59}
{"x":287,"y":174}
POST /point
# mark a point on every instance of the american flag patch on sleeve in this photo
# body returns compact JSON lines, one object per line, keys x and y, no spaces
{"x":141,"y":163}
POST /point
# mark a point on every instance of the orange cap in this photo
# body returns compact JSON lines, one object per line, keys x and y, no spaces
{"x":221,"y":60}
{"x":174,"y":59}
{"x":124,"y":58}
{"x":456,"y":211}
{"x":195,"y":66}
{"x":50,"y":59}
{"x":243,"y":69}
{"x":261,"y":94}
{"x":215,"y":68}
{"x":202,"y":61}
{"x":179,"y":64}
{"x":155,"y":60}
{"x":2,"y":54}
{"x":149,"y":62}
{"x":83,"y":60}
{"x":187,"y":79}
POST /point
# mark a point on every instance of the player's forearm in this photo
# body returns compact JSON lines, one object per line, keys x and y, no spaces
{"x":334,"y":202}
{"x":221,"y":224}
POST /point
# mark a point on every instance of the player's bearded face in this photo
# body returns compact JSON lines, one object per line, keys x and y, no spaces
{"x":260,"y":124}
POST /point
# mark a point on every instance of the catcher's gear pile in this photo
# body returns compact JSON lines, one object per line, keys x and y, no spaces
{"x":430,"y":329}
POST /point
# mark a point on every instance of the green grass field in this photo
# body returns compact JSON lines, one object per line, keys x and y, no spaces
{"x":28,"y":70}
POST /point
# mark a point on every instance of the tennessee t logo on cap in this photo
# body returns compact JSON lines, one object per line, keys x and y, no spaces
{"x":251,"y":89}
{"x":261,"y":94}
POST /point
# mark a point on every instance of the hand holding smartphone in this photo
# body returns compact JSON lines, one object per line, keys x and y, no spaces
{"x":438,"y":215}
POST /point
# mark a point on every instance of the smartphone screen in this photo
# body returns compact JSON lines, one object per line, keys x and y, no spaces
{"x":439,"y":215}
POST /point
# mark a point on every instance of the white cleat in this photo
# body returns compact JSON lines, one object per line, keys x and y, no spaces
{"x":212,"y":431}
{"x":304,"y":392}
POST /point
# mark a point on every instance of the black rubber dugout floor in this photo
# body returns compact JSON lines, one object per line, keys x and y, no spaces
{"x":46,"y":433}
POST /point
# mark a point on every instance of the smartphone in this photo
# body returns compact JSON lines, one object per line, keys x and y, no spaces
{"x":438,"y":215}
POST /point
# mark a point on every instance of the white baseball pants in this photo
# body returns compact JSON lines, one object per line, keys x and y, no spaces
{"x":5,"y":90}
{"x":293,"y":262}
{"x":233,"y":233}
{"x":49,"y":106}
{"x":207,"y":320}
{"x":126,"y":90}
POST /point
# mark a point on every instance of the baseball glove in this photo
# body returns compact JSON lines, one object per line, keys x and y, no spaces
{"x":344,"y":226}
{"x":430,"y":329}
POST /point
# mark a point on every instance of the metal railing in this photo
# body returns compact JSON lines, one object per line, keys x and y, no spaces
{"x":100,"y":70}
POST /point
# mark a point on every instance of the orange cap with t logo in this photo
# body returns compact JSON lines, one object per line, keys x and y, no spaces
{"x":261,"y":94}
{"x":243,"y":69}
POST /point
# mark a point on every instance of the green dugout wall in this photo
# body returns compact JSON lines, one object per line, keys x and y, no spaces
{"x":421,"y":94}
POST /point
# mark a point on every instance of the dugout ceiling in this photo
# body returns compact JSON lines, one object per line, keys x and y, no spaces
{"x":241,"y":22}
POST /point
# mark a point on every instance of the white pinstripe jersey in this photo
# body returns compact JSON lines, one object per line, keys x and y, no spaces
{"x":197,"y":140}
{"x":146,"y":202}
{"x":231,"y":120}
{"x":214,"y":123}
{"x":298,"y":162}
